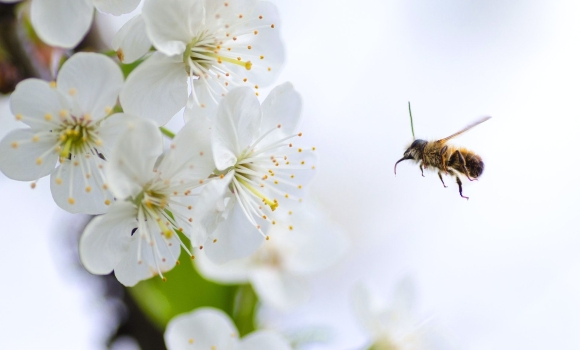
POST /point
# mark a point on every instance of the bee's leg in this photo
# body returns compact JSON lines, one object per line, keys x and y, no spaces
{"x":463,"y":165}
{"x":441,"y":178}
{"x":421,"y":167}
{"x":460,"y":187}
{"x":443,"y":162}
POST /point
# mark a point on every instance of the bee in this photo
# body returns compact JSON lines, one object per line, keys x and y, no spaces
{"x":444,"y":158}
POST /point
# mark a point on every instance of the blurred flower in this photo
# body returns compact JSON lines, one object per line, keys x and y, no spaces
{"x":393,"y":327}
{"x":208,"y":328}
{"x":258,"y":171}
{"x":131,"y":41}
{"x":213,"y":45}
{"x":278,"y":270}
{"x":138,"y":237}
{"x":64,"y":23}
{"x":67,"y":125}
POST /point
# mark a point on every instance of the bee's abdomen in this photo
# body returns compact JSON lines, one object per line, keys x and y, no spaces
{"x":473,"y":163}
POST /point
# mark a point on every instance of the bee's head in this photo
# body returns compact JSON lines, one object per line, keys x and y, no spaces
{"x":415,"y":152}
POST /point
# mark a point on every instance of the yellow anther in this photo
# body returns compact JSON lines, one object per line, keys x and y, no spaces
{"x":290,"y":227}
{"x":72,"y":91}
{"x":71,"y":201}
{"x":267,"y":238}
{"x":88,"y":189}
{"x":47,"y":117}
{"x":215,"y":240}
{"x":120,"y":55}
{"x":14,"y":144}
{"x":18,"y":117}
{"x":261,"y":57}
{"x":248,"y":65}
{"x":63,"y":113}
{"x":52,"y":84}
{"x":107,"y":202}
{"x":38,"y":161}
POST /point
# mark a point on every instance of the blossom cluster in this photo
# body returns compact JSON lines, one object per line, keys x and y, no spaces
{"x":228,"y":188}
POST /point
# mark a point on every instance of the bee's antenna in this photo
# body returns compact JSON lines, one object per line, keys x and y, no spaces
{"x":411,"y":116}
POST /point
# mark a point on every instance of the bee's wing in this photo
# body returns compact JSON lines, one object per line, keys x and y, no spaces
{"x":464,"y":129}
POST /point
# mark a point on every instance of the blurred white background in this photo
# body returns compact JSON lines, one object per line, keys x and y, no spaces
{"x":500,"y":271}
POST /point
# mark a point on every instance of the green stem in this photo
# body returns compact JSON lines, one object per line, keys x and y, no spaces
{"x":167,"y":132}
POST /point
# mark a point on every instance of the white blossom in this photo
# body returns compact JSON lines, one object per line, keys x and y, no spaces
{"x":138,"y":238}
{"x":211,"y":45}
{"x":209,"y":328}
{"x":64,"y":23}
{"x":279,"y":270}
{"x":67,"y":125}
{"x":393,"y":326}
{"x":258,"y":171}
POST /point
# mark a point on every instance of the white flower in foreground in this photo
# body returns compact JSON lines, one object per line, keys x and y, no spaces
{"x":67,"y":126}
{"x":393,"y":327}
{"x":131,"y":41}
{"x":209,"y":328}
{"x":212,"y":45}
{"x":137,"y":238}
{"x":64,"y":23}
{"x":278,"y":271}
{"x":260,"y":171}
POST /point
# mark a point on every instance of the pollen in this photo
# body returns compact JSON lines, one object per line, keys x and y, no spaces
{"x":71,"y":201}
{"x":249,"y":47}
{"x":299,"y":149}
{"x":62,"y":114}
{"x":290,"y":227}
{"x":245,"y":80}
{"x":52,"y":84}
{"x":286,"y":195}
{"x":88,"y":189}
{"x":72,"y":91}
{"x":267,"y":238}
{"x":255,"y":32}
{"x":18,"y":117}
{"x":120,"y":55}
{"x":299,"y":187}
{"x":248,"y":65}
{"x":14,"y":144}
{"x":221,"y":176}
{"x":302,"y":162}
{"x":215,"y":240}
{"x":314,"y":148}
{"x":38,"y":161}
{"x":272,"y":25}
{"x":33,"y":185}
{"x":191,"y":339}
{"x":48,"y":117}
{"x":273,"y":222}
{"x":240,"y":16}
{"x":58,"y":180}
{"x":269,"y":69}
{"x":107,"y":202}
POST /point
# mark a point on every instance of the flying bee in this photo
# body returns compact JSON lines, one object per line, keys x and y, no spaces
{"x":448,"y":159}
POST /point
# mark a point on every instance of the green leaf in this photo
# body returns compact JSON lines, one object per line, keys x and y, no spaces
{"x":185,"y":290}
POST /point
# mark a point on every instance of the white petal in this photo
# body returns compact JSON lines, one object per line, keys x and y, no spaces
{"x":266,"y":44}
{"x":131,"y":41}
{"x":264,"y":340}
{"x":106,"y":239}
{"x":130,"y":164}
{"x":35,"y":101}
{"x":161,"y":256}
{"x":62,"y":23}
{"x":205,"y":102}
{"x":235,"y":237}
{"x":190,"y":155}
{"x":156,"y":89}
{"x":282,"y":107}
{"x":203,"y":329}
{"x":235,"y":271}
{"x":279,"y":289}
{"x":87,"y":192}
{"x":172,"y":24}
{"x":116,"y":7}
{"x":236,"y":126}
{"x":314,"y":244}
{"x":25,"y":160}
{"x":114,"y":127}
{"x":210,"y":209}
{"x":93,"y":81}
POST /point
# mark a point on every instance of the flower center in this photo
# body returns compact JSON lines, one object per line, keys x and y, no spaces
{"x":76,"y":136}
{"x":152,"y":204}
{"x":204,"y":51}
